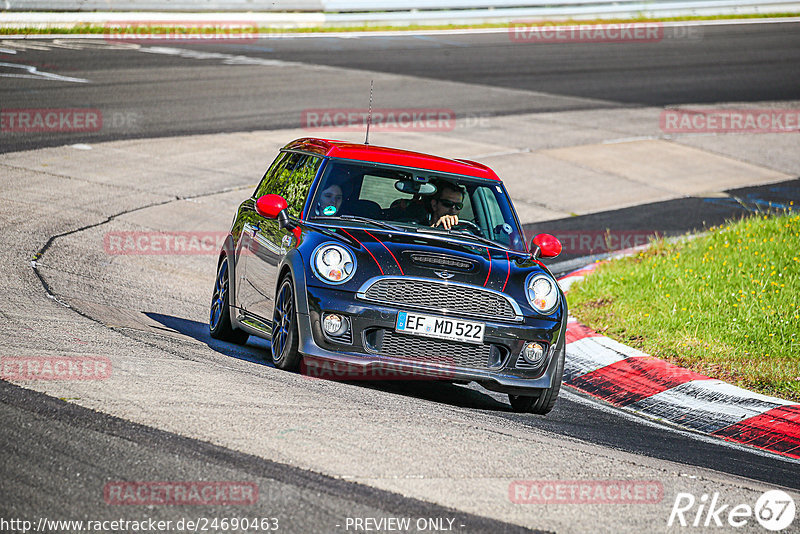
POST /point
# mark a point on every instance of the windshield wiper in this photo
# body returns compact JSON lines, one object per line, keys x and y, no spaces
{"x":479,"y":238}
{"x":458,"y":233}
{"x":358,"y":218}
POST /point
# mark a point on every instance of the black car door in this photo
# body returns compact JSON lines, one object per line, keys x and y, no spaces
{"x":265,"y":243}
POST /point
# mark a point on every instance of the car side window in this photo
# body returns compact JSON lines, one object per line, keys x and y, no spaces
{"x":297,"y":187}
{"x":290,"y":176}
{"x":268,"y":185}
{"x":492,"y":215}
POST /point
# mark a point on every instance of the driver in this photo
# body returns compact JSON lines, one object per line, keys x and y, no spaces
{"x":440,"y":209}
{"x":446,"y":204}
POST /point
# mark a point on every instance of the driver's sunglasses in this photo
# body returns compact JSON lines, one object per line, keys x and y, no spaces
{"x":449,"y":204}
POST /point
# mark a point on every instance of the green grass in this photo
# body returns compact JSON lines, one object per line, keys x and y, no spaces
{"x":725,"y":304}
{"x":190,"y":29}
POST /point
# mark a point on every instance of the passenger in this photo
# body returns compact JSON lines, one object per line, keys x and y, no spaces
{"x":330,"y":200}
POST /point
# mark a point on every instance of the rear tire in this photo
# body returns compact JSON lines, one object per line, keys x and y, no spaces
{"x":542,"y":403}
{"x":284,"y":328}
{"x":219,"y":320}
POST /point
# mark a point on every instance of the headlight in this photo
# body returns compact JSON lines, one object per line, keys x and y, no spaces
{"x":542,"y":293}
{"x":333,"y":263}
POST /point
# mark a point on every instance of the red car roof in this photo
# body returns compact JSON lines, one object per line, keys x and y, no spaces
{"x":391,"y":156}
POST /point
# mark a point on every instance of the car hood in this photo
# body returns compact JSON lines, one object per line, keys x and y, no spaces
{"x":423,"y":255}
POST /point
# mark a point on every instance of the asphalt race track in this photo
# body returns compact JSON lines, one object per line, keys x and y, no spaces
{"x":186,"y":130}
{"x":160,"y":93}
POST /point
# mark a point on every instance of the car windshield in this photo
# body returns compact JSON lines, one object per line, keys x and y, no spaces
{"x":416,"y":199}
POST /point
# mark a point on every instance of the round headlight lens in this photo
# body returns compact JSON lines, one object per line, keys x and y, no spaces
{"x":334,"y":263}
{"x":542,"y":293}
{"x":332,"y":257}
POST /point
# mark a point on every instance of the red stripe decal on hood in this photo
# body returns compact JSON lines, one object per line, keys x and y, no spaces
{"x":490,"y":267}
{"x":365,"y":248}
{"x":387,"y":250}
{"x":508,"y":273}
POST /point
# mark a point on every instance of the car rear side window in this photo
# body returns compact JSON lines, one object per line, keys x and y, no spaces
{"x":297,"y":187}
{"x":268,"y":184}
{"x":290,"y":176}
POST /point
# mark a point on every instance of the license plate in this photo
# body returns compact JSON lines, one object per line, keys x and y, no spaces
{"x":440,"y":327}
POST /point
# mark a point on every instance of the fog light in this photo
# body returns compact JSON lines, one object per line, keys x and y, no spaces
{"x":334,"y":324}
{"x":533,"y":353}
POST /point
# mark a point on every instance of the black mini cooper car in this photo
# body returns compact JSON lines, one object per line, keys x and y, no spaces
{"x":376,"y":258}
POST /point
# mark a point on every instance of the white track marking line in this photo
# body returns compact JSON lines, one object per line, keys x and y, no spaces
{"x":36,"y":74}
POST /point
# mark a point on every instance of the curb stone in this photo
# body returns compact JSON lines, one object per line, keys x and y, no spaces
{"x":631,"y":379}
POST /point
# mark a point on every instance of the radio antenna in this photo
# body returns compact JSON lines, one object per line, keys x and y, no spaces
{"x":369,"y":115}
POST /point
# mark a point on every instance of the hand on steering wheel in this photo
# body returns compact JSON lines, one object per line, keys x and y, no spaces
{"x":467,"y":225}
{"x":447,"y":221}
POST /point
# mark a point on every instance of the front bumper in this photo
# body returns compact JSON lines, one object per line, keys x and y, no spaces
{"x":503,"y":369}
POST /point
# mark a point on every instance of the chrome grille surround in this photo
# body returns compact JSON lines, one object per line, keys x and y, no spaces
{"x":435,"y":296}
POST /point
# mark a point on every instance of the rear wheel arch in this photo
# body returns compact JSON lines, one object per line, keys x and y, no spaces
{"x":227,"y":251}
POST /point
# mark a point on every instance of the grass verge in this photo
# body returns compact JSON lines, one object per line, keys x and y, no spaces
{"x":203,"y":28}
{"x":725,"y":304}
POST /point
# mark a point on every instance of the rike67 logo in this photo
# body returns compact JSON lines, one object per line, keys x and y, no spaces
{"x":774,"y":510}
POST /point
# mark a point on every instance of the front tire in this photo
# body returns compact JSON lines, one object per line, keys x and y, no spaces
{"x":219,"y":320}
{"x":542,"y":403}
{"x":284,"y":328}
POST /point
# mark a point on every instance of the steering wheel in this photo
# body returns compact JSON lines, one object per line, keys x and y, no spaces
{"x":468,"y":225}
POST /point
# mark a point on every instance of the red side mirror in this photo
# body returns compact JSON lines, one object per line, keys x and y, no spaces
{"x":270,"y":206}
{"x":546,"y":246}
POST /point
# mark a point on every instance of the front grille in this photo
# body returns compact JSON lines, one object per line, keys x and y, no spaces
{"x":431,"y":295}
{"x":436,"y":351}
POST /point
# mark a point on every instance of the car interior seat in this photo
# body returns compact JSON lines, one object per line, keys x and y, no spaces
{"x":362,"y":208}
